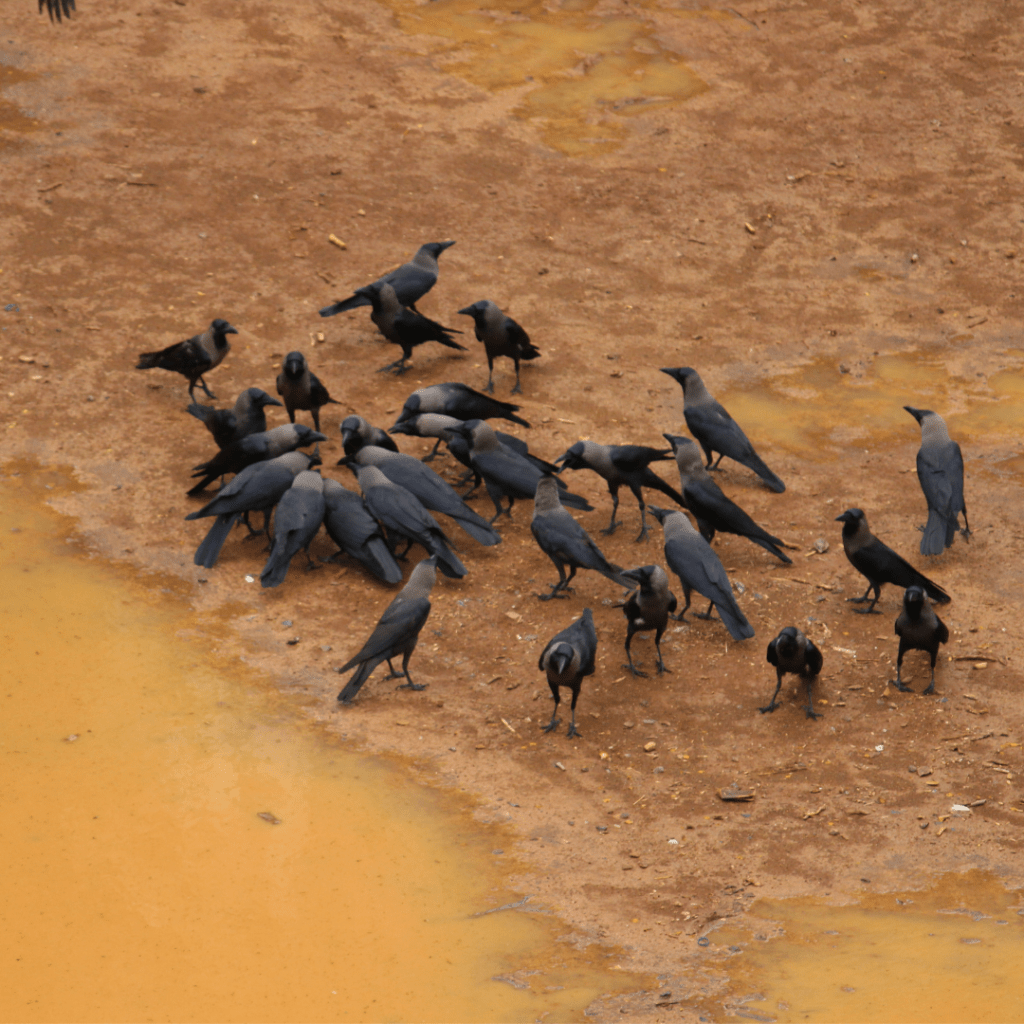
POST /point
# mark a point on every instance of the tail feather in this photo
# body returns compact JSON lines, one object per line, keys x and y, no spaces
{"x":355,"y":684}
{"x":575,"y":501}
{"x":447,"y":561}
{"x":478,"y":529}
{"x":209,"y":548}
{"x":755,"y":463}
{"x":771,"y":544}
{"x":379,"y":560}
{"x":734,"y":620}
{"x":352,"y":302}
{"x":938,"y":534}
{"x":276,"y":569}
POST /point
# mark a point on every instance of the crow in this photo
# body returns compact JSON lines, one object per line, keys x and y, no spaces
{"x":710,"y":507}
{"x":257,"y":488}
{"x":396,"y":633}
{"x":919,"y":629}
{"x":620,"y":464}
{"x":715,"y":429}
{"x":357,"y":432}
{"x":940,"y":470}
{"x":227,"y":425}
{"x":568,"y":657}
{"x":879,"y":563}
{"x":194,"y":356}
{"x":411,"y":281}
{"x":506,"y":473}
{"x":460,"y":401}
{"x":403,"y":326}
{"x":434,"y":493}
{"x":565,"y":542}
{"x":690,"y":557}
{"x":350,"y":525}
{"x":791,"y":651}
{"x":648,"y":607}
{"x":501,"y":336}
{"x":296,"y":522}
{"x":301,"y":388}
{"x":403,"y":515}
{"x":255,"y":448}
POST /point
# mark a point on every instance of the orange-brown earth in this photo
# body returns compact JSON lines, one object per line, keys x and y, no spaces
{"x":829,"y":231}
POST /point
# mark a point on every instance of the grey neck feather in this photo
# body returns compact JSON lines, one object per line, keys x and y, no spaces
{"x":307,"y":480}
{"x":934,"y":430}
{"x":695,"y":392}
{"x":484,"y":438}
{"x":546,"y":499}
{"x":421,"y":581}
{"x":677,"y":526}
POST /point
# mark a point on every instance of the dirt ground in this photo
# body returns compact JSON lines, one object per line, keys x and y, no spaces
{"x":829,"y":231}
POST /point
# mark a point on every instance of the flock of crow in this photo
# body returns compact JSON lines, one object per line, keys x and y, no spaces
{"x":399,"y":492}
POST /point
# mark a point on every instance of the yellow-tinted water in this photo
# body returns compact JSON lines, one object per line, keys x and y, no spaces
{"x":949,"y":953}
{"x":177,"y":846}
{"x":578,"y":67}
{"x":821,"y":405}
{"x":12,"y":120}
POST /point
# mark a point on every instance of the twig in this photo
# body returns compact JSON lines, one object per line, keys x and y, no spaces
{"x":49,"y":188}
{"x":978,"y":657}
{"x":509,"y":727}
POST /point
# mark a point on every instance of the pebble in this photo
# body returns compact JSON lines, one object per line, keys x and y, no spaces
{"x":286,"y":622}
{"x":325,"y":647}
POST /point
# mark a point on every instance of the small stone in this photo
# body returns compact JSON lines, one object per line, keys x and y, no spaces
{"x":294,"y":640}
{"x":286,"y":622}
{"x":650,"y":745}
{"x":325,"y":647}
{"x":659,"y":769}
{"x":820,"y":545}
{"x":601,"y":828}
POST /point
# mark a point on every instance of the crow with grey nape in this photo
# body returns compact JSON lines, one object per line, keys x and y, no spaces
{"x":460,"y":401}
{"x":501,"y":336}
{"x":357,"y":534}
{"x":690,"y":557}
{"x":357,"y":432}
{"x":403,"y":326}
{"x":647,"y":608}
{"x":256,"y":488}
{"x":565,"y":542}
{"x":297,"y":521}
{"x":411,"y":281}
{"x":194,"y":356}
{"x":301,"y":388}
{"x":715,"y":429}
{"x":620,"y":464}
{"x":255,"y":448}
{"x":567,"y":659}
{"x":709,"y":505}
{"x":791,"y":651}
{"x":879,"y":563}
{"x":402,"y":514}
{"x":507,"y":474}
{"x":434,"y":493}
{"x":919,"y":629}
{"x":940,"y":470}
{"x":396,"y":634}
{"x":245,"y":418}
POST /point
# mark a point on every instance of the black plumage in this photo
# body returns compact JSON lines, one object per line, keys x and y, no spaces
{"x":501,"y":336}
{"x":507,"y":474}
{"x":690,"y":557}
{"x":565,"y":542}
{"x":256,"y":488}
{"x":460,"y":401}
{"x":715,"y":429}
{"x":620,"y":464}
{"x":919,"y":629}
{"x":648,"y":608}
{"x":568,"y":658}
{"x":402,"y":514}
{"x":357,"y":432}
{"x":255,"y":448}
{"x":709,"y":505}
{"x":434,"y":493}
{"x":194,"y":356}
{"x":244,"y":418}
{"x":879,"y":563}
{"x":396,"y":633}
{"x":403,"y":326}
{"x":57,"y":8}
{"x":411,"y":281}
{"x":791,"y":651}
{"x":296,"y":522}
{"x":301,"y":388}
{"x":940,"y":471}
{"x":357,"y":534}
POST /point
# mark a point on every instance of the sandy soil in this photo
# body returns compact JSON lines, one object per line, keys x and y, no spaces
{"x":828,"y":232}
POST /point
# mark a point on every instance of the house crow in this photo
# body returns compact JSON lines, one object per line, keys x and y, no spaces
{"x":357,"y":432}
{"x":568,"y":657}
{"x":301,"y":388}
{"x":460,"y":401}
{"x":296,"y":522}
{"x":501,"y":336}
{"x":648,"y":607}
{"x":791,"y":651}
{"x":940,"y":469}
{"x":879,"y":563}
{"x":396,"y":633}
{"x":715,"y":429}
{"x":357,"y":533}
{"x":227,"y":425}
{"x":919,"y":629}
{"x":194,"y":356}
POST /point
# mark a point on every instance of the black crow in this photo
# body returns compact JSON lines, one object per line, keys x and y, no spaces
{"x":568,"y":657}
{"x":227,"y":425}
{"x":301,"y":388}
{"x":919,"y":629}
{"x":501,"y":336}
{"x":791,"y":651}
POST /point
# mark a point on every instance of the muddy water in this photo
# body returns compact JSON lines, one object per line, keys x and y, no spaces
{"x":12,"y":121}
{"x":949,"y":953}
{"x":177,"y":846}
{"x":828,"y":403}
{"x":578,"y":68}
